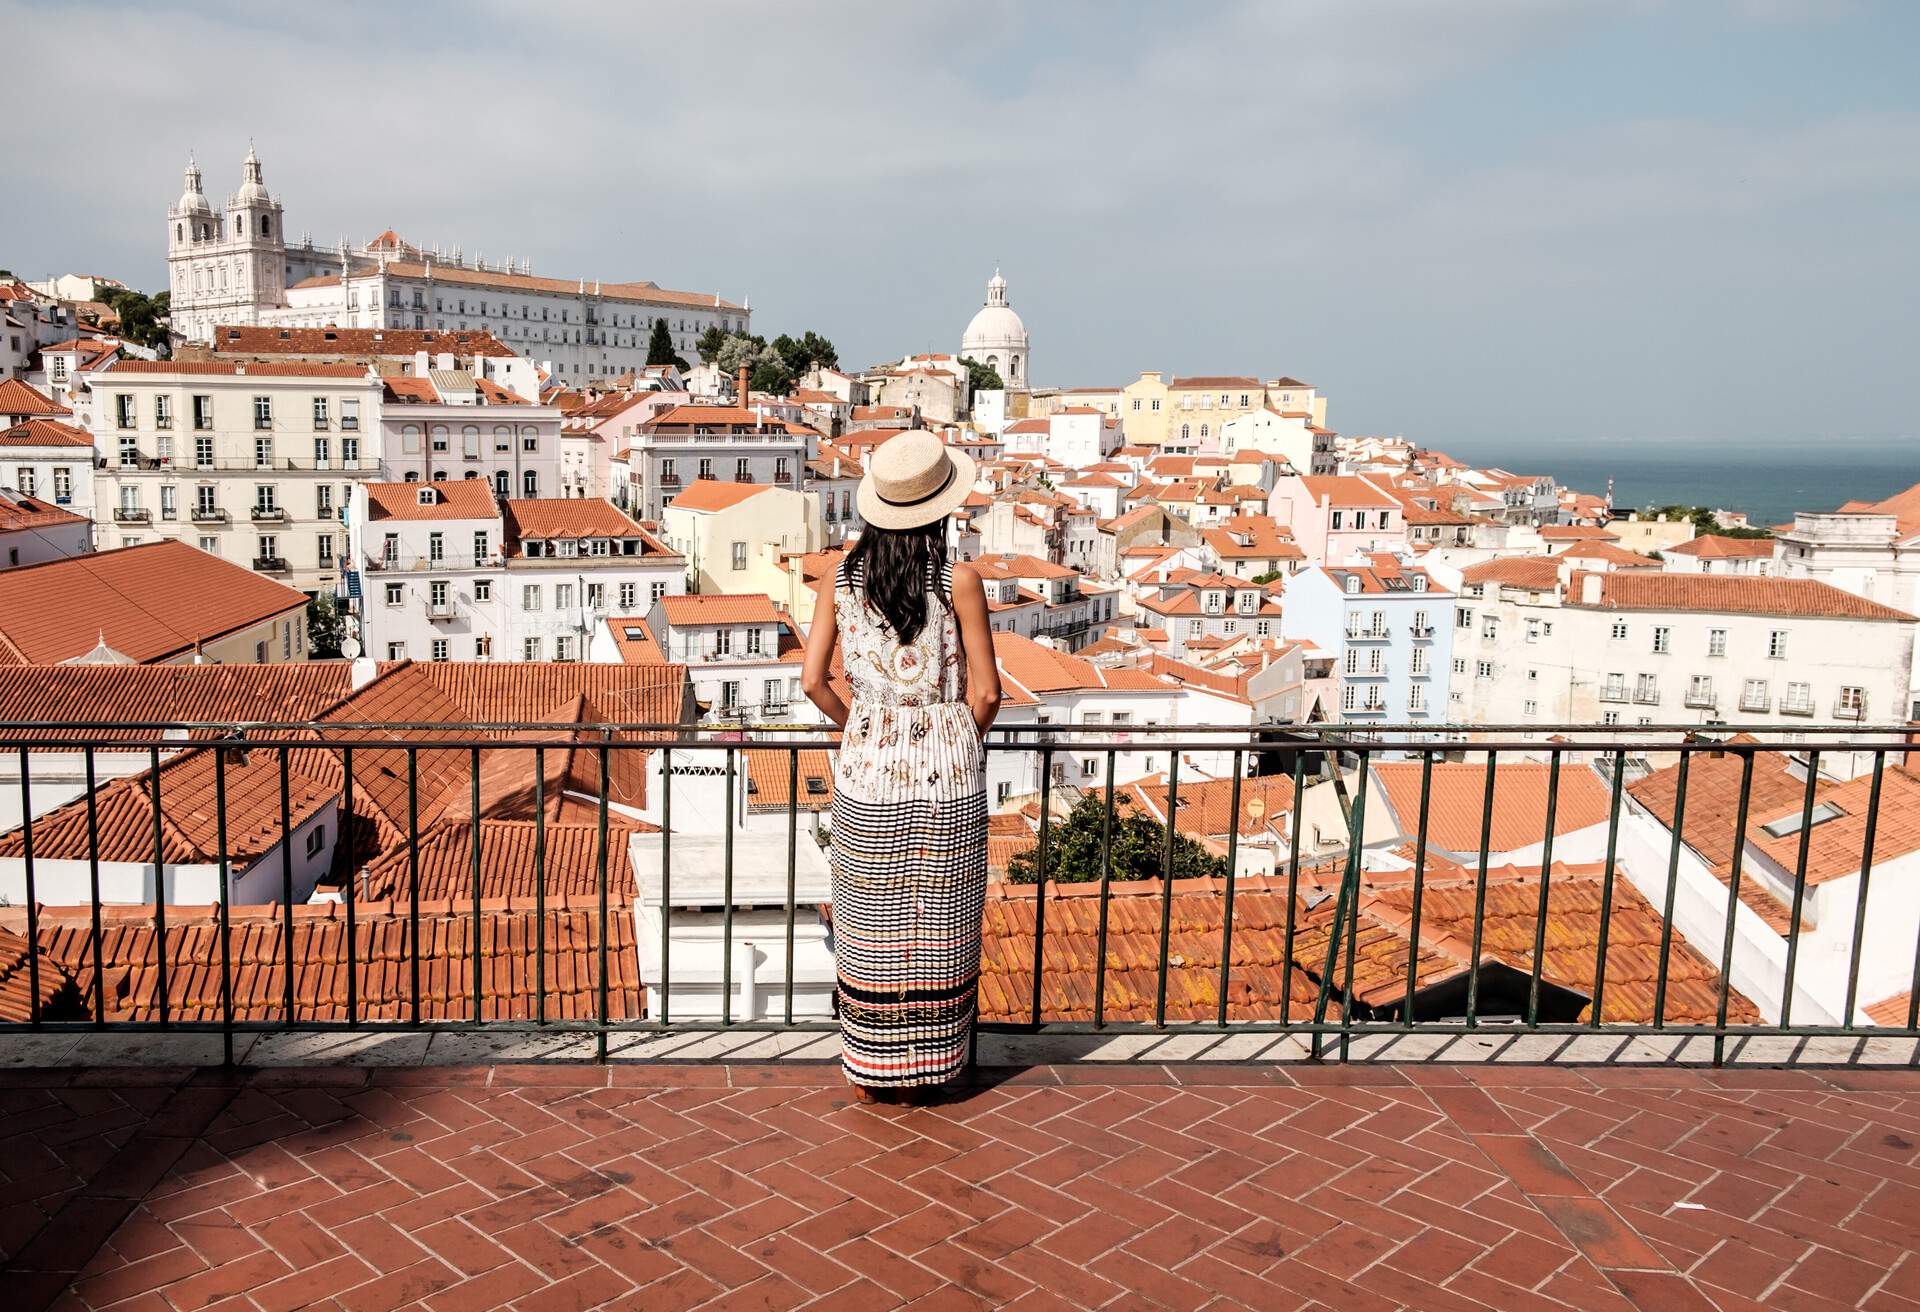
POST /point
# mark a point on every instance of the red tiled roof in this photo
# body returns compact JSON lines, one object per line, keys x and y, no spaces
{"x":565,"y":517}
{"x":1345,"y":490}
{"x":18,"y":398}
{"x":634,"y":640}
{"x":1213,"y":383}
{"x":246,"y":339}
{"x":151,"y":602}
{"x":707,"y":494}
{"x":720,"y":608}
{"x":1519,"y":803}
{"x":648,"y":292}
{"x":454,"y":498}
{"x":1713,"y":799}
{"x":767,"y":777}
{"x":233,"y":368}
{"x":383,"y":955}
{"x":1533,"y":573}
{"x":290,"y":691}
{"x":1712,"y":546}
{"x":45,"y":432}
{"x":1618,"y":557}
{"x":1729,"y":594}
{"x":507,"y":864}
{"x":19,"y":514}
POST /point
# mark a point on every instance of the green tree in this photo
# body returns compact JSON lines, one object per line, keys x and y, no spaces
{"x":709,"y":343}
{"x":1138,"y":847}
{"x":1266,"y":578}
{"x":143,"y":318}
{"x":771,"y":376}
{"x":325,"y":627}
{"x":660,"y":345}
{"x":1706,"y":525}
{"x":737,"y":352}
{"x":984,"y":377}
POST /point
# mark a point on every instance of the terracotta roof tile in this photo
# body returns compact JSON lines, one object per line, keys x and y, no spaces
{"x":19,"y":398}
{"x":1712,"y":546}
{"x":233,"y":368}
{"x":1729,"y":594}
{"x":720,"y":608}
{"x":152,"y":602}
{"x":1519,"y":803}
{"x":45,"y":432}
{"x":565,"y":517}
{"x":708,"y":494}
{"x":247,"y":339}
{"x":461,"y":498}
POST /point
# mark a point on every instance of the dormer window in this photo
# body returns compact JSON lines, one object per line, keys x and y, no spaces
{"x":427,"y":496}
{"x":1353,"y":583}
{"x":1419,"y":582}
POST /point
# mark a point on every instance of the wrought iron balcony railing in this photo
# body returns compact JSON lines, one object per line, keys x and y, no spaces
{"x":1662,"y":920}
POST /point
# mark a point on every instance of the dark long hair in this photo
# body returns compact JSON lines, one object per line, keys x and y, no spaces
{"x":896,"y":569}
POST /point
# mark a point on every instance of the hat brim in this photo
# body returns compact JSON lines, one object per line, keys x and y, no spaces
{"x":881,"y":514}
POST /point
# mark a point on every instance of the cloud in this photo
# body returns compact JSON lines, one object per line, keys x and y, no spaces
{"x":1435,"y":211}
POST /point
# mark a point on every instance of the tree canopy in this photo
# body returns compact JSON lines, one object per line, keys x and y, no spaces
{"x":983,"y":377}
{"x":1138,"y":847}
{"x":660,"y":345}
{"x":1706,"y":525}
{"x":143,"y":318}
{"x":771,"y":366}
{"x":325,"y":628}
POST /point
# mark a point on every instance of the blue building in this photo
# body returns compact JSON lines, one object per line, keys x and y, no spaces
{"x":1389,"y":626}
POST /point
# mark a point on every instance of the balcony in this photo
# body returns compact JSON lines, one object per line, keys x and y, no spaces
{"x":1701,"y":699}
{"x":1842,"y":711}
{"x":269,"y":514}
{"x":1754,"y":705}
{"x":208,"y":515}
{"x":270,"y":565}
{"x":132,"y":515}
{"x":1615,"y":693}
{"x":1646,"y":696}
{"x":1422,"y":632}
{"x":440,"y":610}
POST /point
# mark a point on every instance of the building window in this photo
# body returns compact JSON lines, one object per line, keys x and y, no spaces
{"x":530,"y":649}
{"x":626,"y":596}
{"x":440,"y":437}
{"x":1716,"y":642}
{"x":1753,"y":695}
{"x":1483,"y":670}
{"x":562,"y":596}
{"x":479,"y":545}
{"x":162,"y":410}
{"x":1619,"y":630}
{"x":1777,"y":645}
{"x":349,"y":415}
{"x":563,"y":647}
{"x":1349,"y":696}
{"x":319,"y":412}
{"x":1646,"y":689}
{"x":439,"y":649}
{"x":263,"y":412}
{"x":530,"y":483}
{"x":739,"y":555}
{"x":483,"y":589}
{"x":1852,"y":704}
{"x":1799,"y":699}
{"x":396,"y":593}
{"x":1490,"y":627}
{"x":123,"y":410}
{"x":656,"y":590}
{"x":326,"y":550}
{"x":483,"y":647}
{"x":529,"y":439}
{"x":1463,"y":619}
{"x":1662,"y":638}
{"x":530,"y":597}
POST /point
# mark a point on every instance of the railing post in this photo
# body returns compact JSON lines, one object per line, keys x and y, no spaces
{"x":1166,"y":887}
{"x":1293,"y":885}
{"x":1546,"y":882}
{"x":1799,"y":887}
{"x":413,"y":876}
{"x":1866,"y":877}
{"x":345,"y":840}
{"x":1733,"y":906}
{"x":1606,"y":890}
{"x":1349,"y":895}
{"x":540,"y":885}
{"x":286,"y":880}
{"x":226,"y":927}
{"x":1480,"y":895}
{"x":1040,"y":878}
{"x":93,"y":881}
{"x":1106,"y":897}
{"x":1419,"y":886}
{"x":1226,"y":915}
{"x":600,"y":881}
{"x":793,"y":856}
{"x":473,"y":862}
{"x":159,"y":888}
{"x":1673,"y":888}
{"x":666,"y":885}
{"x":33,"y":895}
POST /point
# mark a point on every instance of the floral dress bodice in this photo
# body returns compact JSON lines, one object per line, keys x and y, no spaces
{"x":887,"y":672}
{"x":909,"y":733}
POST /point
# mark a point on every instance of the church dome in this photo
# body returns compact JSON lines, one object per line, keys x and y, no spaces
{"x":996,"y":336}
{"x":253,"y":190}
{"x":192,"y":199}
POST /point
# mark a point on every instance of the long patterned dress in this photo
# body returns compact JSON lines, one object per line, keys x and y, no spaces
{"x":909,"y":846}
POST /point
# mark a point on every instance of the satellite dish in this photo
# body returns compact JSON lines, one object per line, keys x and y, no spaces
{"x":349,"y":647}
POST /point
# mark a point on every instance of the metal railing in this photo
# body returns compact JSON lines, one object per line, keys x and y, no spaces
{"x":1320,"y":949}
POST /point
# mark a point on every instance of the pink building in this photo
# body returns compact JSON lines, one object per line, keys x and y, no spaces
{"x":1335,"y":517}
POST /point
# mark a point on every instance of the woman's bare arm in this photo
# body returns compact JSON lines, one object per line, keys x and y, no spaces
{"x":976,"y":640}
{"x":821,"y":638}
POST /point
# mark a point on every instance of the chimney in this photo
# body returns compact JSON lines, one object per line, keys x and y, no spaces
{"x":740,"y":387}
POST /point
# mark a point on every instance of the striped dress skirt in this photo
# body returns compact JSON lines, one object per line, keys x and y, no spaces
{"x":909,"y":887}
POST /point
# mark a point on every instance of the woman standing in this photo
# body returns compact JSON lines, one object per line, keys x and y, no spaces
{"x":909,"y":784}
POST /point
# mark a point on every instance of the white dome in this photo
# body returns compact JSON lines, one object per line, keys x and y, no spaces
{"x":192,"y":199}
{"x":253,"y":190}
{"x":996,"y":325}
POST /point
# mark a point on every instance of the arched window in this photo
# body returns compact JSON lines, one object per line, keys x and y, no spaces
{"x":502,"y":438}
{"x":471,"y":473}
{"x":266,"y":225}
{"x":410,"y":438}
{"x":470,"y":441}
{"x":413,"y":476}
{"x":530,"y":482}
{"x":1203,"y":432}
{"x":1186,"y":432}
{"x":502,"y":483}
{"x":179,"y":232}
{"x":993,"y":363}
{"x":1015,"y":361}
{"x":439,"y":475}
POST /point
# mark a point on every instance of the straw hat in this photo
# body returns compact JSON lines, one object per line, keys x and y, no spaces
{"x":914,"y":479}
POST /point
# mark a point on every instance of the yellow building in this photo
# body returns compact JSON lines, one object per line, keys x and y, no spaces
{"x":736,"y":536}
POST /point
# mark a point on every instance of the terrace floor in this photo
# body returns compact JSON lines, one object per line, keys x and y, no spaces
{"x":1180,"y":1186}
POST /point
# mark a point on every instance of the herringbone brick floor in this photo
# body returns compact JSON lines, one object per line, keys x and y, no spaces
{"x":762,"y":1187}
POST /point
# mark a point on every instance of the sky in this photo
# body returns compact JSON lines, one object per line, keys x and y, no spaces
{"x":1468,"y":221}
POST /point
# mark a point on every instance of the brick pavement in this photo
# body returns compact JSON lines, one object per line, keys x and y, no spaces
{"x":1120,"y":1187}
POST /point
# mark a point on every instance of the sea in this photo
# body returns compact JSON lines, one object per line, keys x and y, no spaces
{"x":1768,"y":479}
